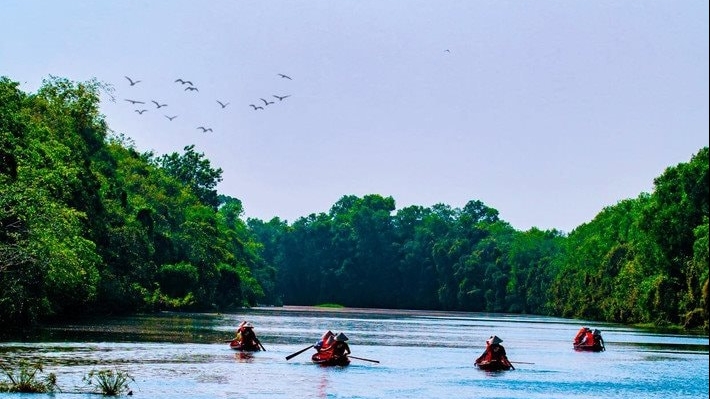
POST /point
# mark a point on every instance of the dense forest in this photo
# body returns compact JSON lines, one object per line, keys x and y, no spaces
{"x":89,"y":225}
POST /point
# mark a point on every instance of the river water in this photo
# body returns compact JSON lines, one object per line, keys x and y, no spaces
{"x":421,"y":355}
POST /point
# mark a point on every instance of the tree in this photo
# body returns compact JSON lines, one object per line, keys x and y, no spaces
{"x":53,"y":268}
{"x":196,"y":172}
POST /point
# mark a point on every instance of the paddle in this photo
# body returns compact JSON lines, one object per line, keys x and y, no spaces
{"x":362,"y":358}
{"x":298,"y":353}
{"x":259,"y":342}
{"x":522,"y":362}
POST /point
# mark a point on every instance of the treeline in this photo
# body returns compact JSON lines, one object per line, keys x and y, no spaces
{"x":90,"y":225}
{"x":643,"y":260}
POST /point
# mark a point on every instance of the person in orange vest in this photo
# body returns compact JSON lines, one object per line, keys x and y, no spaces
{"x":495,"y":352}
{"x":588,"y":338}
{"x":339,"y":347}
{"x":580,"y":335}
{"x":325,"y":341}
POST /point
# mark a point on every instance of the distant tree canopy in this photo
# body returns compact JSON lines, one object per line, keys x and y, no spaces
{"x":643,"y":260}
{"x":90,"y":226}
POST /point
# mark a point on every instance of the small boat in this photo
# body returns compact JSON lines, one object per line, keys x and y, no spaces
{"x":325,"y":358}
{"x":588,"y":340}
{"x":239,"y":346}
{"x":598,"y":346}
{"x":493,"y":365}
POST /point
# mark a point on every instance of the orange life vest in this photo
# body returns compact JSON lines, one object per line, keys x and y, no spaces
{"x":580,"y":334}
{"x":494,"y":352}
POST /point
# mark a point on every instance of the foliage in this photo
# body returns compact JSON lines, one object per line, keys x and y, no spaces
{"x":194,"y":171}
{"x":89,"y":225}
{"x":643,"y":260}
{"x":26,"y":380}
{"x":330,"y":305}
{"x":109,"y":382}
{"x":178,"y":280}
{"x":50,"y":263}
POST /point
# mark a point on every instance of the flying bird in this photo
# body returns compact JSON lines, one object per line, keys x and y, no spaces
{"x":447,"y":51}
{"x":255,"y":107}
{"x":205,"y":129}
{"x":131,"y":81}
{"x":135,"y":101}
{"x":159,"y":105}
{"x":285,"y":76}
{"x":185,"y":82}
{"x":224,"y":105}
{"x":281,"y":98}
{"x":266,"y":102}
{"x":141,"y":111}
{"x":191,"y":88}
{"x":171,"y":117}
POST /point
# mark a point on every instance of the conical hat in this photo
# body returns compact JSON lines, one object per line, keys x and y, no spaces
{"x":341,"y":337}
{"x":494,"y":340}
{"x":248,"y":325}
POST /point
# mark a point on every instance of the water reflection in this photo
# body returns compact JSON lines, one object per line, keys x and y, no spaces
{"x":422,"y":355}
{"x":323,"y":386}
{"x":244,"y":357}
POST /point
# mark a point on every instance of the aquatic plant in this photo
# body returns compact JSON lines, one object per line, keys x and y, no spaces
{"x":330,"y":305}
{"x":25,"y":379}
{"x":109,"y":382}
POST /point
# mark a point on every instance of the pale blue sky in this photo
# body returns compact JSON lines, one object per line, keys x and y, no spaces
{"x":547,"y":111}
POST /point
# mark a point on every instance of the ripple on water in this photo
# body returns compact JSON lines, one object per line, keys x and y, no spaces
{"x":422,"y":355}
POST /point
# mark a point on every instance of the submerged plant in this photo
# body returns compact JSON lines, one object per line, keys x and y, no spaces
{"x":26,"y":380}
{"x":110,"y":382}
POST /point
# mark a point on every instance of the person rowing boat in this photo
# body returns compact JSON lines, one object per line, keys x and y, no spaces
{"x":494,"y":357}
{"x":333,"y":354}
{"x":588,"y":340}
{"x":245,"y":339}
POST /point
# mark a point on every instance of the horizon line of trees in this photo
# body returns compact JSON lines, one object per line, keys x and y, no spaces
{"x":643,"y":260}
{"x":88,"y":225}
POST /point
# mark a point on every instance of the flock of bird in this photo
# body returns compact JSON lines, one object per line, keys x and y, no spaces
{"x":190,"y":87}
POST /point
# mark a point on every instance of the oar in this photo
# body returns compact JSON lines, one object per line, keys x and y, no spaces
{"x":362,"y":358}
{"x":259,"y":342}
{"x":298,"y":353}
{"x":523,"y":362}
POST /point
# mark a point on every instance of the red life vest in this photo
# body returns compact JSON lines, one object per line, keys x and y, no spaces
{"x":580,"y":335}
{"x":494,"y":352}
{"x":589,"y":338}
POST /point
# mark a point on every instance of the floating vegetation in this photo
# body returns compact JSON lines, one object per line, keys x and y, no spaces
{"x":330,"y":305}
{"x":24,"y":379}
{"x":110,"y":382}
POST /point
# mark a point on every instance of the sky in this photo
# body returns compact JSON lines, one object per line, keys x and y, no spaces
{"x":547,"y":111}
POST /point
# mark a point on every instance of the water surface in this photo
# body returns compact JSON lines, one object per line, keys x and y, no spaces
{"x":421,"y":355}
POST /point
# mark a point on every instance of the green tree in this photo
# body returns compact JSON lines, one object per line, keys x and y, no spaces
{"x":196,"y":172}
{"x":53,"y":266}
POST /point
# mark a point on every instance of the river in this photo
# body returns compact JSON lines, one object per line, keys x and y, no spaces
{"x":421,"y":355}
